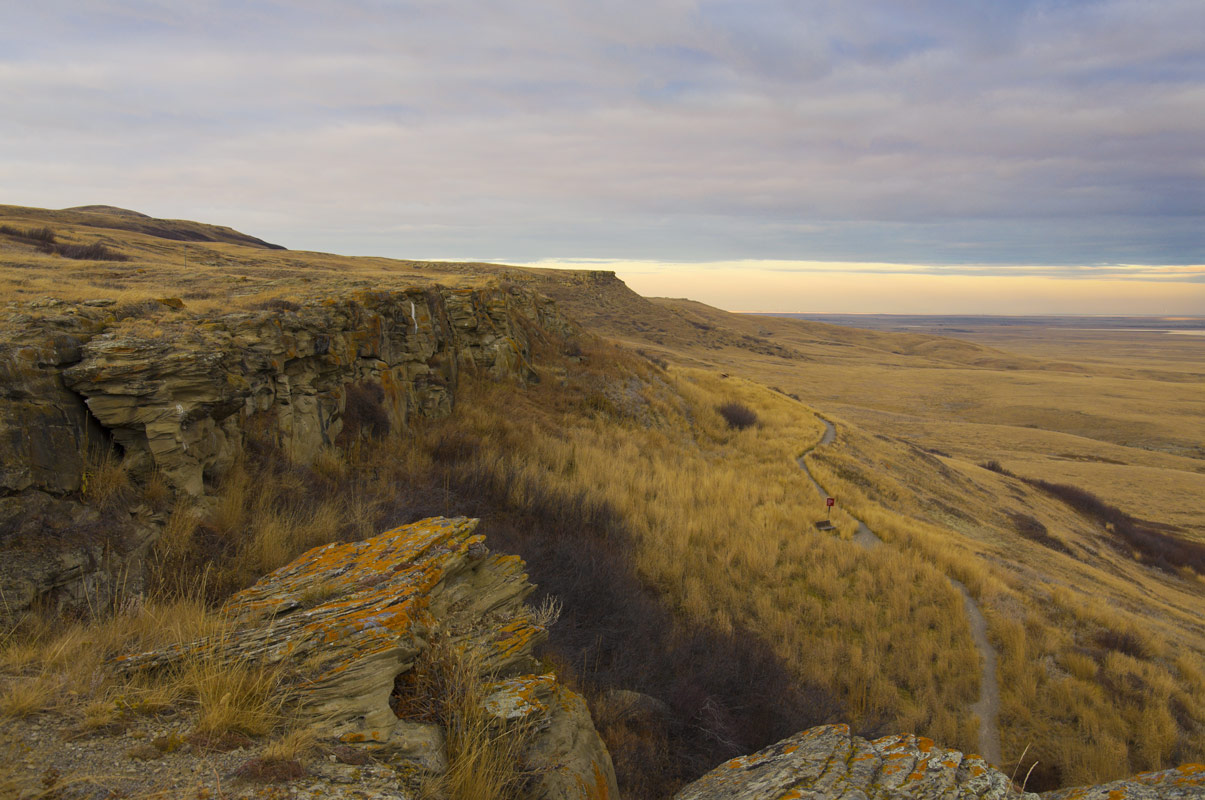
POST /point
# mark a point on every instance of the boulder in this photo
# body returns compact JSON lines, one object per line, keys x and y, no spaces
{"x":344,"y":620}
{"x":566,"y":753}
{"x":1182,"y":783}
{"x":827,"y":763}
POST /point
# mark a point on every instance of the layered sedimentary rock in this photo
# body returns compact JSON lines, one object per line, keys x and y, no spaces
{"x":343,"y":621}
{"x":829,"y":763}
{"x":1182,"y":783}
{"x":179,"y":395}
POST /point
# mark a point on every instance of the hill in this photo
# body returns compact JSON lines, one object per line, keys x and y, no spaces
{"x":120,"y":219}
{"x":643,"y":456}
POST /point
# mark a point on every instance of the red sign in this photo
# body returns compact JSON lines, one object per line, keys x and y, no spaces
{"x":830,"y":502}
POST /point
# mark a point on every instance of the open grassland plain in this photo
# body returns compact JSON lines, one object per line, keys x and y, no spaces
{"x":683,"y":543}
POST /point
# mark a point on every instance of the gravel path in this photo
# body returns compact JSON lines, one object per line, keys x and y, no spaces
{"x":987,"y":707}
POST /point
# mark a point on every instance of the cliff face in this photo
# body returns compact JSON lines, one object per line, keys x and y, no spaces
{"x":171,"y":393}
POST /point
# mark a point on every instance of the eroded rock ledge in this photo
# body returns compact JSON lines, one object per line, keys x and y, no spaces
{"x":829,"y":763}
{"x":343,"y":621}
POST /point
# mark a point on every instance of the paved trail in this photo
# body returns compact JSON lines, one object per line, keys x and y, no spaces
{"x":987,"y":707}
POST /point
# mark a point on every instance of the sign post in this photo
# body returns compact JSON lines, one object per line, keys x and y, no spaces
{"x":830,"y":502}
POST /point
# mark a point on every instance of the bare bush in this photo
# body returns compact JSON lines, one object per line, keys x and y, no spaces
{"x":364,"y":412}
{"x":738,"y":415}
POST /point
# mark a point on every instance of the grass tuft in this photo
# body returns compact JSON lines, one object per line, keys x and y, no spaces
{"x":485,"y":755}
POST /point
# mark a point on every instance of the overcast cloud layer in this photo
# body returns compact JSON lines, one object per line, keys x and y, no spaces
{"x":1049,"y":132}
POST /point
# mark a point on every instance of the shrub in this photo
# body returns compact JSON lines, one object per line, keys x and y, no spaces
{"x":737,"y":415}
{"x":1160,"y":549}
{"x":277,"y":304}
{"x":1033,"y":529}
{"x":43,"y":235}
{"x":364,"y":412}
{"x":270,"y":770}
{"x":654,"y":359}
{"x":90,"y":252}
{"x":1126,"y":642}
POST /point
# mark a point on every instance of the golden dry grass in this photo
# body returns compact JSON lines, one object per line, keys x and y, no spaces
{"x":1102,"y":658}
{"x":485,"y":756}
{"x":208,"y":276}
{"x":1099,"y":410}
{"x":1086,"y":709}
{"x":48,"y":665}
{"x":725,"y":526}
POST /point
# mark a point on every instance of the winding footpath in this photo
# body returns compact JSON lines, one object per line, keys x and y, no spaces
{"x":987,"y":707}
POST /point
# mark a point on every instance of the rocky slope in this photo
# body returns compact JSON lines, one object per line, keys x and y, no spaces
{"x":345,"y":625}
{"x":178,"y":396}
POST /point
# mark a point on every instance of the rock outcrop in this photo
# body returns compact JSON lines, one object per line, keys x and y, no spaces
{"x":343,"y":621}
{"x":828,"y":763}
{"x":567,"y":755}
{"x":1182,"y":783}
{"x":180,"y":395}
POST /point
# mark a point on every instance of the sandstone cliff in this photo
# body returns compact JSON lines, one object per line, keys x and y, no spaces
{"x":179,"y":395}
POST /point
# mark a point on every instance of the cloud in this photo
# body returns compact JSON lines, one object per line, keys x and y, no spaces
{"x":932,"y":131}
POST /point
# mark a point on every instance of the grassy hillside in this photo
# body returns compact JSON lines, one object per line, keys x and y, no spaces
{"x":685,"y":549}
{"x":1101,"y":650}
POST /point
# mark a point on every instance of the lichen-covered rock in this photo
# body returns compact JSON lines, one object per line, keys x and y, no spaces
{"x":345,"y":619}
{"x":566,"y":752}
{"x":827,"y":763}
{"x":1182,"y":783}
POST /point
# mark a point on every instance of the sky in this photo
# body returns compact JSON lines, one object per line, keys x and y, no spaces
{"x":911,"y":156}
